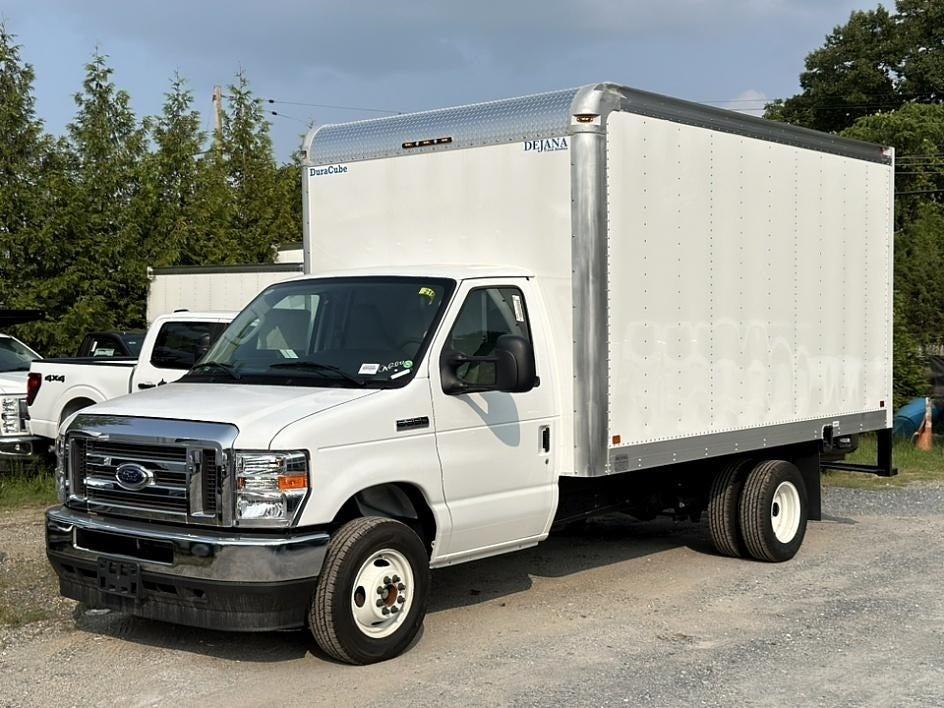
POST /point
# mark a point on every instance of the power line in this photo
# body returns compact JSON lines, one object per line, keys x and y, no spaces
{"x":919,"y":191}
{"x":282,"y":115}
{"x":328,"y":105}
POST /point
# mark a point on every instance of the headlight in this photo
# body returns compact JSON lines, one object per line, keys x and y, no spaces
{"x":270,"y":487}
{"x":62,"y":479}
{"x":10,"y":416}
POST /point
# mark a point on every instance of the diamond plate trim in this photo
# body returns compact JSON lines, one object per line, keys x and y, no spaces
{"x":542,"y":115}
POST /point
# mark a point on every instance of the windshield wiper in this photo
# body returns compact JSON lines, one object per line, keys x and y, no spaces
{"x":219,"y":366}
{"x":315,"y":366}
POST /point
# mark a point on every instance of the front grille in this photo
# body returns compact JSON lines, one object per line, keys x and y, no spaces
{"x":166,"y":493}
{"x":185,"y":483}
{"x":211,"y":482}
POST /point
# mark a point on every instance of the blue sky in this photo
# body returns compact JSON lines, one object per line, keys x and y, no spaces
{"x":412,"y":55}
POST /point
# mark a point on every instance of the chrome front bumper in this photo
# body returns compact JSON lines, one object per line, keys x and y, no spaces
{"x":208,"y":578}
{"x":21,"y":446}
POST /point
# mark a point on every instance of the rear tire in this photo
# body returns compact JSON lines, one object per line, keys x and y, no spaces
{"x":371,"y":596}
{"x":773,"y":511}
{"x":723,"y":508}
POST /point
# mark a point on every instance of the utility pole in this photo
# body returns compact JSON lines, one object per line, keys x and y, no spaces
{"x":218,"y":112}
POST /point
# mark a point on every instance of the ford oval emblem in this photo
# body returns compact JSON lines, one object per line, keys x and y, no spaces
{"x":133,"y":477}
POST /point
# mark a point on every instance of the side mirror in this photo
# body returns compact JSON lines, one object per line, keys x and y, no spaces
{"x":510,"y":369}
{"x":515,"y":367}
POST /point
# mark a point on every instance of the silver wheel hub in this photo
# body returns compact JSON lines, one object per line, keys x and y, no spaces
{"x":383,"y":593}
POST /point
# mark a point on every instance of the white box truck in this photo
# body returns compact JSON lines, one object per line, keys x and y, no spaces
{"x":216,"y":287}
{"x":516,"y":314}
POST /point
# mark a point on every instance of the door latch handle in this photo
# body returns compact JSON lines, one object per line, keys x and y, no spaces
{"x":145,"y":385}
{"x":545,"y":433}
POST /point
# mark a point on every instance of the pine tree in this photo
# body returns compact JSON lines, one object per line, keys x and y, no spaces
{"x":214,"y":240}
{"x":22,"y":150}
{"x":261,"y":220}
{"x":171,"y":177}
{"x":34,"y":179}
{"x":105,"y":273}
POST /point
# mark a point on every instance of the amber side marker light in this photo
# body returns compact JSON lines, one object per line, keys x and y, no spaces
{"x":288,"y":482}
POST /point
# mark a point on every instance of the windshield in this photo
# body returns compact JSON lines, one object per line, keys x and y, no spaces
{"x":349,"y":332}
{"x":15,"y":356}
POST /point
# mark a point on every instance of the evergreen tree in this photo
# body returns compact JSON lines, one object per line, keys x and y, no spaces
{"x":261,"y":220}
{"x":290,"y":198}
{"x":213,"y":237}
{"x":105,"y":274}
{"x":35,"y":184}
{"x":172,"y":178}
{"x":22,"y":151}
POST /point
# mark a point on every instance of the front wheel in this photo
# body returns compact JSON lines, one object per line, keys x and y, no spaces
{"x":372,"y":593}
{"x":773,"y":511}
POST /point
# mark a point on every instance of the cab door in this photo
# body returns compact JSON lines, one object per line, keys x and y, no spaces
{"x":495,"y":448}
{"x":171,"y":349}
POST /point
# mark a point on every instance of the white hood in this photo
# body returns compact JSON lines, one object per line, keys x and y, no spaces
{"x":259,"y":412}
{"x":13,"y":383}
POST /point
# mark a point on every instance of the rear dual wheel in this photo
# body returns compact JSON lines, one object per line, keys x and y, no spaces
{"x":758,"y":511}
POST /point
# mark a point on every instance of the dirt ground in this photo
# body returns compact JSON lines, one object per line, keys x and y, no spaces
{"x":619,"y":613}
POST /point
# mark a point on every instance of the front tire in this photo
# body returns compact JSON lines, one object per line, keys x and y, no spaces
{"x":372,"y":593}
{"x":773,"y":511}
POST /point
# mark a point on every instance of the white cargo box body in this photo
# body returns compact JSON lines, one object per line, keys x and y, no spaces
{"x":211,"y":288}
{"x":715,"y":283}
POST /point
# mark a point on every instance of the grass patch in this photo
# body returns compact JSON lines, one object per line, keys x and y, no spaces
{"x":26,"y":484}
{"x":17,"y":617}
{"x":913,"y":466}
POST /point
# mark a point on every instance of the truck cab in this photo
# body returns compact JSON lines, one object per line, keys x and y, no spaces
{"x":59,"y":387}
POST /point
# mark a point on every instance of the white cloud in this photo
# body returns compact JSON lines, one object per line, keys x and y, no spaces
{"x":750,"y":101}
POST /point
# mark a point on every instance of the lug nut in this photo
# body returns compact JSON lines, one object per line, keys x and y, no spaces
{"x":401,"y":599}
{"x":401,"y":586}
{"x":380,"y":603}
{"x":385,"y":611}
{"x":396,"y":578}
{"x":394,"y":609}
{"x":387,"y":580}
{"x":380,"y":590}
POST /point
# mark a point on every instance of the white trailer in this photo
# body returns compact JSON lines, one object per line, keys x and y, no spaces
{"x":517,"y":314}
{"x":223,"y":287}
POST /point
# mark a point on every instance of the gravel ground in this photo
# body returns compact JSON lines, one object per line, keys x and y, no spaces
{"x":619,"y":613}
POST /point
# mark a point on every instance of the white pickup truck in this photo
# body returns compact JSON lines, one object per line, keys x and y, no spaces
{"x":516,"y":314}
{"x":57,"y":388}
{"x":15,"y":359}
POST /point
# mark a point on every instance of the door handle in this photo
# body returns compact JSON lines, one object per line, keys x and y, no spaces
{"x":145,"y":385}
{"x":545,"y":433}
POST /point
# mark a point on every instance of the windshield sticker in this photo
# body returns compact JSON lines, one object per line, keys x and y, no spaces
{"x":288,"y":353}
{"x":428,"y":293}
{"x":519,"y":310}
{"x":402,"y":364}
{"x":399,"y":374}
{"x":369,"y":369}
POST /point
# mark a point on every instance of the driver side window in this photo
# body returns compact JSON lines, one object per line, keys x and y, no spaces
{"x":486,"y":315}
